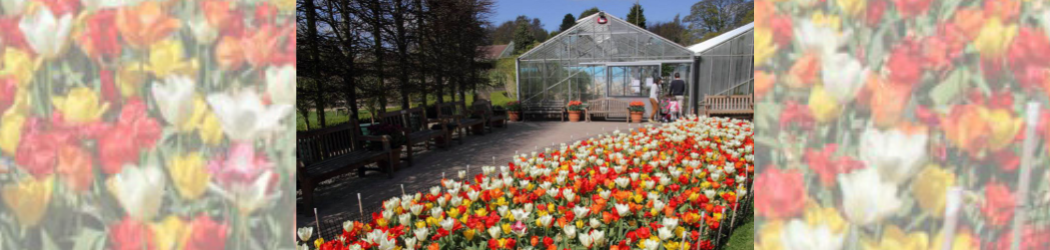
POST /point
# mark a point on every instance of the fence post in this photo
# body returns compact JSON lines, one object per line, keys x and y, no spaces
{"x":1020,"y":212}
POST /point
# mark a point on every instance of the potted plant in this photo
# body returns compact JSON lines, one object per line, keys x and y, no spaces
{"x":637,"y":109}
{"x":514,"y":110}
{"x":397,"y":139}
{"x":575,"y":108}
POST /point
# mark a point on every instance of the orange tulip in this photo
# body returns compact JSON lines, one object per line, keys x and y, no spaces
{"x":970,"y":21}
{"x":145,"y":24}
{"x":887,"y":101}
{"x":260,"y":46}
{"x":74,"y":164}
{"x":804,"y":73}
{"x":965,"y":128}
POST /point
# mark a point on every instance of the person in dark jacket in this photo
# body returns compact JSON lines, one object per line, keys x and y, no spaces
{"x":678,"y":91}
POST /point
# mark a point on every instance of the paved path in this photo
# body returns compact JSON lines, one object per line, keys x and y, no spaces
{"x":337,"y":199}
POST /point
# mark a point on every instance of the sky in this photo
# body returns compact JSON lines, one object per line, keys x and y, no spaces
{"x":551,"y":12}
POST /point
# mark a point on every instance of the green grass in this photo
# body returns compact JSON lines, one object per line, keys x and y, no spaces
{"x":333,"y":117}
{"x":743,"y":237}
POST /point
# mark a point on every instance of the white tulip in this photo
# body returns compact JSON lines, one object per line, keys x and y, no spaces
{"x":598,"y":237}
{"x":595,"y":223}
{"x":410,"y":243}
{"x":798,"y":235}
{"x":46,"y":34}
{"x":109,"y":4}
{"x":421,"y":233}
{"x":622,"y":209}
{"x":670,"y":222}
{"x":174,"y":97}
{"x":139,"y":190}
{"x":447,"y":223}
{"x":866,"y":198}
{"x":546,"y":220}
{"x":405,"y":219}
{"x":569,"y":195}
{"x":305,"y":233}
{"x":580,"y":211}
{"x":650,"y":244}
{"x":519,"y":214}
{"x":416,"y":209}
{"x":896,"y":155}
{"x":204,"y":32}
{"x":585,"y":240}
{"x":244,"y":117}
{"x":570,"y":231}
{"x":664,"y":233}
{"x":846,"y":80}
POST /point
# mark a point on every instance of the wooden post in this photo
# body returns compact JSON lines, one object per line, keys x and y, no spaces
{"x":318,"y":221}
{"x":953,"y":200}
{"x":360,"y":207}
{"x":1027,"y":153}
{"x":402,"y":189}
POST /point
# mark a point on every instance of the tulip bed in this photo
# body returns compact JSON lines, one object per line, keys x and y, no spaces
{"x":666,"y":187}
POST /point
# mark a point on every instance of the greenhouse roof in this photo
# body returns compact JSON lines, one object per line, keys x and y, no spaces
{"x":614,"y":41}
{"x":715,"y":41}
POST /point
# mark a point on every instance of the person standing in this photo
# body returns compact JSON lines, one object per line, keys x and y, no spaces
{"x":654,"y":94}
{"x":678,"y":91}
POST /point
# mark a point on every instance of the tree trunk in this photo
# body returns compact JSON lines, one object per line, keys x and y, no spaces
{"x":348,"y":75}
{"x":311,"y":20}
{"x":377,"y":31}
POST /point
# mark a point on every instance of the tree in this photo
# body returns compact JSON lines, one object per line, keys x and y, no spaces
{"x":522,"y":37}
{"x":553,"y":34}
{"x":674,"y":30}
{"x":567,"y":22}
{"x":538,"y":33}
{"x":709,"y":17}
{"x":589,"y":12}
{"x":504,"y":33}
{"x":636,"y":15}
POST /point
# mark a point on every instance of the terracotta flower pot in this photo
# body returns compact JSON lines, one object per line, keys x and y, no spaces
{"x":574,"y":116}
{"x":636,"y":116}
{"x":514,"y":115}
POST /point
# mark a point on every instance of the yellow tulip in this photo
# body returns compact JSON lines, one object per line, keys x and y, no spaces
{"x":19,"y":64}
{"x":166,"y":58}
{"x":894,"y":238}
{"x":852,"y":7}
{"x":1004,"y":130}
{"x":189,"y":175}
{"x":964,"y":240}
{"x":210,"y":129}
{"x":824,"y":106}
{"x":80,"y":105}
{"x":506,"y":228}
{"x":11,"y":131}
{"x":764,"y":47}
{"x":930,"y":192}
{"x":830,"y":21}
{"x":469,"y":233}
{"x":994,"y":37}
{"x":28,"y":199}
{"x":817,"y":215}
{"x":284,"y":5}
{"x":769,"y":236}
{"x":130,"y":79}
{"x":170,"y":233}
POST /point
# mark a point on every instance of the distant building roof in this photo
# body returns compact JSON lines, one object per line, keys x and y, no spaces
{"x":493,"y":52}
{"x":714,"y":41}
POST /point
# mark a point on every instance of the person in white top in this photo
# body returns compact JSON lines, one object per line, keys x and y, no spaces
{"x":654,"y":94}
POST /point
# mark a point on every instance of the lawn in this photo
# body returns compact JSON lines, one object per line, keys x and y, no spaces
{"x":743,"y":237}
{"x":334,"y":117}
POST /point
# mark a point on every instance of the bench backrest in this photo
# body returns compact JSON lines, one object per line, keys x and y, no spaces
{"x":412,"y":119}
{"x":483,"y":106}
{"x":318,"y":145}
{"x":544,"y":105}
{"x":450,"y":108}
{"x":734,"y":102}
{"x":606,"y":105}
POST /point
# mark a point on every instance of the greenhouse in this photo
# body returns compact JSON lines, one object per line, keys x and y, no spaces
{"x":600,"y":57}
{"x":603,"y":56}
{"x":725,"y":64}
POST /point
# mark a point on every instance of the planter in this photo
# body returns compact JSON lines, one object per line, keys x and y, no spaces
{"x":514,"y":115}
{"x":636,"y":116}
{"x":574,"y":116}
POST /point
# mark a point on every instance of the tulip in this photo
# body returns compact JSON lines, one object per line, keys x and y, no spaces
{"x":848,"y":78}
{"x":622,"y":209}
{"x":189,"y":175}
{"x":203,"y":32}
{"x":19,"y":64}
{"x":28,"y":199}
{"x":866,"y":197}
{"x":11,"y":125}
{"x":167,"y":59}
{"x":171,"y":233}
{"x":81,"y":105}
{"x":233,"y":110}
{"x":799,"y":235}
{"x":144,"y":24}
{"x":495,"y":232}
{"x":139,"y":190}
{"x":47,"y":34}
{"x":14,"y":7}
{"x":585,"y":240}
{"x":421,"y":233}
{"x":545,"y":221}
{"x":174,"y":98}
{"x":896,"y":154}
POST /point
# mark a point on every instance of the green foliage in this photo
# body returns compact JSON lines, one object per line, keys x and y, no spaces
{"x":716,"y":16}
{"x":589,"y":12}
{"x":514,"y":106}
{"x":636,"y":15}
{"x":566,"y":23}
{"x":523,"y":37}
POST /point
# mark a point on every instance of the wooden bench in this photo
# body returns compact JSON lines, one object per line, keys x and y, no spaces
{"x":606,"y":107}
{"x":413,"y":123}
{"x":492,"y":120}
{"x":455,"y":114}
{"x":326,"y":153}
{"x":543,"y":107}
{"x":729,"y":105}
